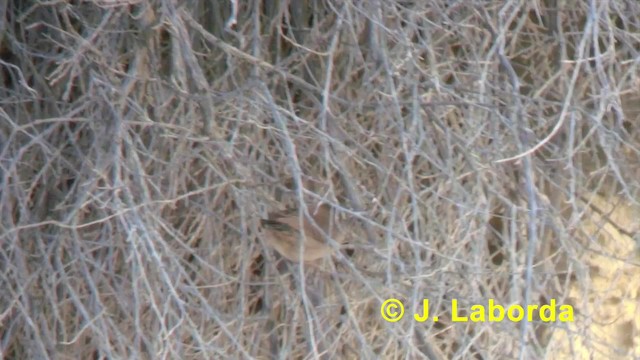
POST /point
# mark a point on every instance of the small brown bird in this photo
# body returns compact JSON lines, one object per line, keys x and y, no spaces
{"x":282,"y":232}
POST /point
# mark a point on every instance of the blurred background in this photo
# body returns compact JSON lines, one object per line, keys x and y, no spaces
{"x":483,"y":150}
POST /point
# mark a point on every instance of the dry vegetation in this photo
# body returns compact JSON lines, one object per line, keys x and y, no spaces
{"x":486,"y":149}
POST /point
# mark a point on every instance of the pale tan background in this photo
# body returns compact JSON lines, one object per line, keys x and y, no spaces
{"x":487,"y":151}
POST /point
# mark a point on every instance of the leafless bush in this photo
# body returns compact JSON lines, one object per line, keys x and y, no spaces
{"x":141,"y":141}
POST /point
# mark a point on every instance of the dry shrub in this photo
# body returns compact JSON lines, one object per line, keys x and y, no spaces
{"x":487,"y":150}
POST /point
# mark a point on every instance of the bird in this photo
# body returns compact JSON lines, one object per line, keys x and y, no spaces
{"x":282,"y":232}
